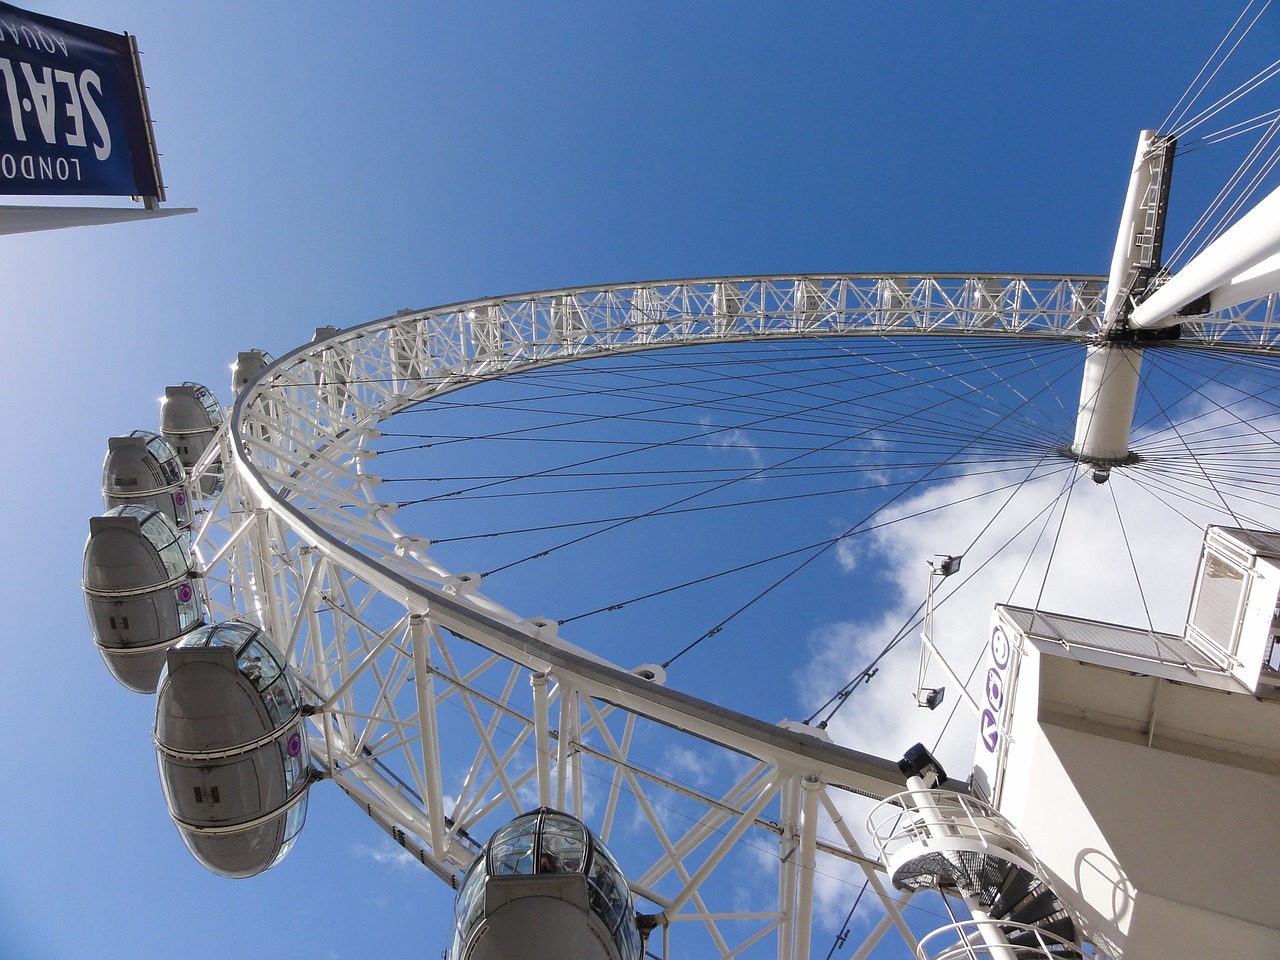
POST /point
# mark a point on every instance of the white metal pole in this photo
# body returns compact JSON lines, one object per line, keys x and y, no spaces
{"x":542,"y":735}
{"x":788,"y":846}
{"x":266,"y":577}
{"x":424,"y":677}
{"x":811,"y":789}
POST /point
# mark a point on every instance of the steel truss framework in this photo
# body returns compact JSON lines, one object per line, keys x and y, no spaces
{"x":443,"y":714}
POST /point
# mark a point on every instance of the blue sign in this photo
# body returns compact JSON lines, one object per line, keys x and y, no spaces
{"x":73,"y":118}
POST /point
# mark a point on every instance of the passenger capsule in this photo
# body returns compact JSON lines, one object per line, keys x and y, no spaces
{"x":143,"y":468}
{"x":232,"y":750}
{"x":543,"y":888}
{"x":138,"y":591}
{"x":189,"y":419}
{"x":249,"y":363}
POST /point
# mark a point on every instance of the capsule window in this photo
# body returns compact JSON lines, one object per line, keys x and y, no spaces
{"x":564,"y":846}
{"x":511,"y":849}
{"x":163,"y":536}
{"x":257,"y":663}
{"x":294,"y":759}
{"x":294,"y":819}
{"x":607,"y":892}
{"x":166,"y":456}
{"x":470,"y":903}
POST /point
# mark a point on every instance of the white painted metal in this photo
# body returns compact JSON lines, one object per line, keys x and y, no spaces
{"x":1109,"y":388}
{"x":967,"y":944}
{"x":378,"y":630}
{"x":1129,"y":246}
{"x":1108,"y":394}
{"x":31,"y":219}
{"x":1253,"y":239}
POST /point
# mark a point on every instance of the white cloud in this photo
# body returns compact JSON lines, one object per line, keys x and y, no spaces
{"x":388,"y":852}
{"x":847,"y":554}
{"x":1090,"y":573}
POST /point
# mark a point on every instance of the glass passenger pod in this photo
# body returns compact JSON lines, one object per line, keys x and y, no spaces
{"x":232,"y":750}
{"x":143,"y":468}
{"x":249,"y":363}
{"x":138,"y":591}
{"x":545,"y":887}
{"x":190,"y":417}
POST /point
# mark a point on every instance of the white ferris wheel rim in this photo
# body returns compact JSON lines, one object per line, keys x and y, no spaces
{"x":298,"y":442}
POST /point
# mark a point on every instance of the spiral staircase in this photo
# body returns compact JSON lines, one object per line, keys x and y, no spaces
{"x":960,"y":846}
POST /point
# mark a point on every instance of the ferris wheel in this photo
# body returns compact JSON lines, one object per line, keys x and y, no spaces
{"x":445,"y":714}
{"x":516,"y":574}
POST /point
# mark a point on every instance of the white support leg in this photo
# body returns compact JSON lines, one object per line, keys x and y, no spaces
{"x":811,"y":789}
{"x":1108,"y":395}
{"x":542,"y":735}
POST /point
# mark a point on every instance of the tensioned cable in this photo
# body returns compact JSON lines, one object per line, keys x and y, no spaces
{"x":1259,"y":78}
{"x":840,"y":938}
{"x":1053,"y":546}
{"x":1180,"y":125}
{"x":701,"y":508}
{"x":1201,"y":235}
{"x":841,"y":696}
{"x":1173,"y":427}
{"x":987,"y":361}
{"x":687,"y":439}
{"x":630,"y":372}
{"x":1133,"y":563}
{"x":1229,"y":132}
{"x":914,"y":619}
{"x":790,"y":553}
{"x":1187,"y":94}
{"x":574,"y":541}
{"x":819,"y":552}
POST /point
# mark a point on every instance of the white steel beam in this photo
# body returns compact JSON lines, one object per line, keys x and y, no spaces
{"x":1252,"y":240}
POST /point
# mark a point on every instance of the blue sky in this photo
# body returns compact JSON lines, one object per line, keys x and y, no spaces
{"x":349,"y":161}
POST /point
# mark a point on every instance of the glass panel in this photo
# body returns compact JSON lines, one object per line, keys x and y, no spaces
{"x":628,"y":938}
{"x":174,"y":557}
{"x":258,"y":664}
{"x":293,"y":756}
{"x":511,"y":850}
{"x":607,"y":892}
{"x":470,"y":903}
{"x":562,"y":852}
{"x":166,"y":456}
{"x":280,"y":701}
{"x":189,"y":609}
{"x":163,"y":535}
{"x":209,"y":401}
{"x":295,"y":818}
{"x":231,"y":633}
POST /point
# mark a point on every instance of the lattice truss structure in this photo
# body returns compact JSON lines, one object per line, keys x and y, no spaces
{"x":444,"y":714}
